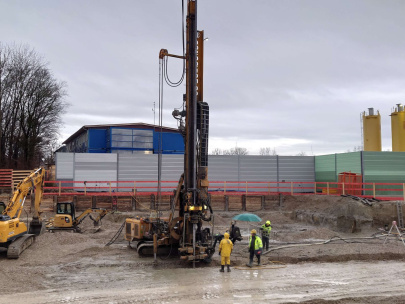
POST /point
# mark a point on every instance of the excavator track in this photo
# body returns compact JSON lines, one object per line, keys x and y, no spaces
{"x":72,"y":229}
{"x":19,"y":245}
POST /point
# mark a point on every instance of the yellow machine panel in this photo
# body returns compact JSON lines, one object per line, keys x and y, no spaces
{"x":372,"y":131}
{"x":135,"y":229}
{"x":398,"y":129}
{"x":62,"y":221}
{"x":11,"y":229}
{"x":140,"y":229}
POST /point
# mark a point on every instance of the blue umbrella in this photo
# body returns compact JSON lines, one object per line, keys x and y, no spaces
{"x":247,"y":217}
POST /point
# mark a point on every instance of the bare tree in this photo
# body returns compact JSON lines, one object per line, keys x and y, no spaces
{"x":302,"y":153}
{"x":236,"y":151}
{"x":355,"y":149}
{"x":267,"y":151}
{"x":31,"y":105}
{"x":49,"y":151}
{"x":216,"y":151}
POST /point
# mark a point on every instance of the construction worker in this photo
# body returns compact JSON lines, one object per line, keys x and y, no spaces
{"x":234,"y":233}
{"x":265,"y":229}
{"x":255,"y":247}
{"x":225,"y":250}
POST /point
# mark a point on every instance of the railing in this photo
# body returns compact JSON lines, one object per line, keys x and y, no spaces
{"x":19,"y":175}
{"x":383,"y":191}
{"x":6,"y":178}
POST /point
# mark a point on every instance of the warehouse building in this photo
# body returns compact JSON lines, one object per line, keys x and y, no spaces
{"x":131,"y":138}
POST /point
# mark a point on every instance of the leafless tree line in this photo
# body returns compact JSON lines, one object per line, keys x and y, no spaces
{"x":231,"y":151}
{"x":243,"y":151}
{"x":31,"y":105}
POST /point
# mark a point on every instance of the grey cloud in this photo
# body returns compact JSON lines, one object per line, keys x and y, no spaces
{"x":292,"y":70}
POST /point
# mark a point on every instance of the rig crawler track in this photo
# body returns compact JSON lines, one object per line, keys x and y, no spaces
{"x":146,"y":250}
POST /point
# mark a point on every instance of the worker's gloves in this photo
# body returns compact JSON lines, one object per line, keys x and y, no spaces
{"x":219,"y":253}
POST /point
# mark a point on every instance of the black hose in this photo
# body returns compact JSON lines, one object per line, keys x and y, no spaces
{"x":117,"y":234}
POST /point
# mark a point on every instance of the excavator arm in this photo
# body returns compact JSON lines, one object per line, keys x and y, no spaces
{"x":33,"y":182}
{"x":101,"y":213}
{"x":13,"y":232}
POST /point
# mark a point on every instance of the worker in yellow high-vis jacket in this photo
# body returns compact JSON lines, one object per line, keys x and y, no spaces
{"x":225,"y":250}
{"x":255,"y":248}
{"x":266,"y":229}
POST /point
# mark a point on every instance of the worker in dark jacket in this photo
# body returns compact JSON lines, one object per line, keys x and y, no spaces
{"x":266,"y":229}
{"x":255,"y":248}
{"x":234,"y":233}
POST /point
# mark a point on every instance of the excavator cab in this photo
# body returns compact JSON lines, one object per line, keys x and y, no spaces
{"x":65,"y":215}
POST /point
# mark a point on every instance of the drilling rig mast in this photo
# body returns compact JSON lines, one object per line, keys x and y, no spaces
{"x":194,"y":201}
{"x":186,"y":231}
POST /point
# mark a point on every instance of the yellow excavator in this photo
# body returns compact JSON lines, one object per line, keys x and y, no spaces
{"x":65,"y":217}
{"x":14,"y":234}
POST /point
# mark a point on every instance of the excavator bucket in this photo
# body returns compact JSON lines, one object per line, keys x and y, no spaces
{"x":36,"y":228}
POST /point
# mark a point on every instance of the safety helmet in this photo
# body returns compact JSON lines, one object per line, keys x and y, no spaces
{"x":253,"y":231}
{"x":268,"y":223}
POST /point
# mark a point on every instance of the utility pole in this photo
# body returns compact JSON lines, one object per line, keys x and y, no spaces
{"x":154,"y":113}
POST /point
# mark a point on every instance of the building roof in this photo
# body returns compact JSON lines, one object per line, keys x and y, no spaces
{"x":138,"y":125}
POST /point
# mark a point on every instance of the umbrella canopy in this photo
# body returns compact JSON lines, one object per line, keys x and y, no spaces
{"x":247,"y":217}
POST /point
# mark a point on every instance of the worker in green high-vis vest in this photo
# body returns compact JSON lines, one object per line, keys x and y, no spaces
{"x":266,"y":229}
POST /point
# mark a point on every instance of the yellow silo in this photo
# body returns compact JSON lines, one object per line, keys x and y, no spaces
{"x":398,"y":129}
{"x":371,"y":131}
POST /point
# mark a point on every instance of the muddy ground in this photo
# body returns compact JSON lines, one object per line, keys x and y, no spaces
{"x":323,"y":250}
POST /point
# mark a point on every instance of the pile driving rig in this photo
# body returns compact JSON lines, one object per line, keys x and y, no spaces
{"x":185,"y":232}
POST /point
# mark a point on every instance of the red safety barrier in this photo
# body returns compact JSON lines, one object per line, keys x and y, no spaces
{"x":6,"y":178}
{"x":382,"y":191}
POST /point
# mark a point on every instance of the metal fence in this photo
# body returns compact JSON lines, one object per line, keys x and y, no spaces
{"x":382,"y":191}
{"x":143,"y":168}
{"x":6,"y":178}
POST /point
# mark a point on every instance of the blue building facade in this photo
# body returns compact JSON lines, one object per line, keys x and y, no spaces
{"x":124,"y":138}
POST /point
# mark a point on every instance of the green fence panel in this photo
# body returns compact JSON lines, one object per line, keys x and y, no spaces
{"x":384,"y":167}
{"x":325,"y":168}
{"x":348,"y":162}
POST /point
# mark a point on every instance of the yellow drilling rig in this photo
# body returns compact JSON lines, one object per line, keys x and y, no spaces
{"x":185,"y":232}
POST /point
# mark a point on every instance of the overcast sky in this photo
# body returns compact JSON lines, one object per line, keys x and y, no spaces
{"x":290,"y":75}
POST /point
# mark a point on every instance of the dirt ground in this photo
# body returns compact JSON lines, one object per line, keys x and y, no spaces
{"x":322,"y":250}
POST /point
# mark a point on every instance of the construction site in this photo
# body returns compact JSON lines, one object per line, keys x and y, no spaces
{"x":138,"y":213}
{"x":323,"y":249}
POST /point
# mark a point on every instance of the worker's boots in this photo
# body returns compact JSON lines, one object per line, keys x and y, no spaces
{"x":222,"y":268}
{"x":258,"y":261}
{"x":250,"y":264}
{"x":229,"y":268}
